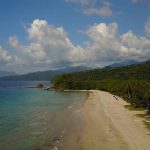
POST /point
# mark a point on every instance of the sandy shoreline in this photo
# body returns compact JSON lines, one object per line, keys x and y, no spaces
{"x":104,"y":124}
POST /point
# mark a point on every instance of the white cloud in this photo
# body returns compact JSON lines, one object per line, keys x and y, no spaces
{"x":147,"y":26}
{"x":106,"y":45}
{"x":138,"y":46}
{"x":89,"y":7}
{"x":50,"y":46}
{"x":104,"y":11}
{"x":5,"y":57}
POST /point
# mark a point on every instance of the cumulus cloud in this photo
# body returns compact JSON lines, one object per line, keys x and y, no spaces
{"x":89,"y":7}
{"x":147,"y":26}
{"x":5,"y":57}
{"x":106,"y":45}
{"x":50,"y":47}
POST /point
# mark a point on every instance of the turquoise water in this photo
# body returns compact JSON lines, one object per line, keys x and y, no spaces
{"x":32,"y":118}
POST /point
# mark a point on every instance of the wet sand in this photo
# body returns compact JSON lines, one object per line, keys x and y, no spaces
{"x":103,"y":123}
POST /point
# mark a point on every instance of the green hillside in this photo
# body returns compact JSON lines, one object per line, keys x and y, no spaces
{"x":131,"y":82}
{"x":138,"y":72}
{"x":43,"y":75}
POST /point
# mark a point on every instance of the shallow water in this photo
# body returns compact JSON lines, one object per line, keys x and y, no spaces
{"x":33,"y":118}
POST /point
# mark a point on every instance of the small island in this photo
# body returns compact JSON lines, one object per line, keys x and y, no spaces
{"x":40,"y":86}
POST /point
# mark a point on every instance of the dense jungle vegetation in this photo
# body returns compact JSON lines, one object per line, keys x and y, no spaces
{"x":131,"y":83}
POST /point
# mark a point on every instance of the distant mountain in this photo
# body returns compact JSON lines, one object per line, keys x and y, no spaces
{"x":43,"y":75}
{"x":6,"y":73}
{"x":123,"y":64}
{"x":74,"y":69}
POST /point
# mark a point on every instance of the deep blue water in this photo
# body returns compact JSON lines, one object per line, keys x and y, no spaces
{"x":31,"y":118}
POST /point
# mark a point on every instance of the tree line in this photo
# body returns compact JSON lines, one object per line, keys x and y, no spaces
{"x":132,"y":83}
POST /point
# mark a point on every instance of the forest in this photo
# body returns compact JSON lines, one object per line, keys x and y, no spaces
{"x":132,"y":83}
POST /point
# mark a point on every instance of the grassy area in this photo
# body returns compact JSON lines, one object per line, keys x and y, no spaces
{"x":144,"y":116}
{"x":133,"y":108}
{"x":141,"y":115}
{"x":147,"y":125}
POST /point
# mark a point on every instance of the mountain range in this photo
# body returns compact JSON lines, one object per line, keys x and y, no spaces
{"x":123,"y":64}
{"x":48,"y":75}
{"x":6,"y":73}
{"x":43,"y":75}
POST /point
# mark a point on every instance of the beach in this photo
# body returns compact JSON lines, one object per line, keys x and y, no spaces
{"x":103,"y":123}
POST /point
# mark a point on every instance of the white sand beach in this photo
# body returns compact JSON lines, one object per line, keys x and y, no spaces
{"x":105,"y":124}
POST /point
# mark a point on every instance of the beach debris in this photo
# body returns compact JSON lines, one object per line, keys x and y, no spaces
{"x":115,"y":97}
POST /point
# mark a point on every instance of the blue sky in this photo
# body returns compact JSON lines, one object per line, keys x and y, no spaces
{"x":79,"y":19}
{"x":14,"y":14}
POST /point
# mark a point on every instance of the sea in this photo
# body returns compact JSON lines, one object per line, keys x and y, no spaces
{"x":34,"y":119}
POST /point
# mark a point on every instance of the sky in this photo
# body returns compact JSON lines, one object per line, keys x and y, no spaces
{"x":37,"y":35}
